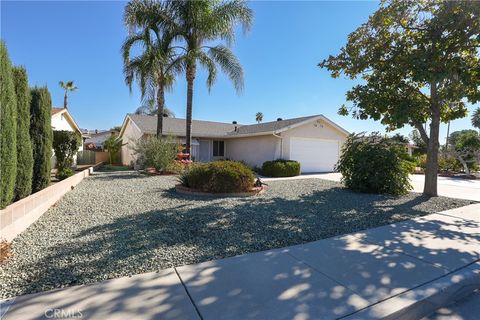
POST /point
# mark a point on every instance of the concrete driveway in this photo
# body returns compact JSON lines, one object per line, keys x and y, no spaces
{"x":447,"y":187}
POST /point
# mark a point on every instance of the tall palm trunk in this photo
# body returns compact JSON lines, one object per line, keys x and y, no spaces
{"x":160,"y":105}
{"x":65,"y":100}
{"x":191,"y":69}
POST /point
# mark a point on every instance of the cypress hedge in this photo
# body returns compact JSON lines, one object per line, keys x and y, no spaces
{"x":42,"y":136}
{"x":23,"y":184}
{"x":8,"y":128}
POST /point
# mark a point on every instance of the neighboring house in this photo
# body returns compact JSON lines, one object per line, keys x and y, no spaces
{"x":63,"y":120}
{"x":314,"y":141}
{"x":95,"y":140}
{"x":94,"y":144}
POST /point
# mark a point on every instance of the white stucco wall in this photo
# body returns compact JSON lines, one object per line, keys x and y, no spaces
{"x":129,"y":137}
{"x":253,"y":150}
{"x":316,"y":130}
{"x":59,"y":122}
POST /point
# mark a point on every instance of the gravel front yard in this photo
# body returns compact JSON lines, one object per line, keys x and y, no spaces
{"x":118,"y":224}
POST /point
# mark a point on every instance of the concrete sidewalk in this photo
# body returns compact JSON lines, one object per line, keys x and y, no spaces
{"x":447,"y":187}
{"x":407,"y":269}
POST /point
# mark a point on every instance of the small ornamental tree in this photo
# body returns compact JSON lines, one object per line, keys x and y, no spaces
{"x":375,"y":164}
{"x":42,"y":136}
{"x":465,"y":147}
{"x":418,"y":62}
{"x":153,"y":152}
{"x":65,"y":146}
{"x":23,"y":184}
{"x":112,"y":145}
{"x":8,"y":129}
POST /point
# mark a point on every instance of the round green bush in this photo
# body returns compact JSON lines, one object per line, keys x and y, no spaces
{"x":374,"y":164}
{"x":219,"y":177}
{"x":281,"y":168}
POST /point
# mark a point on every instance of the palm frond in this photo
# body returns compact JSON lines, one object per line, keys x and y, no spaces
{"x":229,"y":64}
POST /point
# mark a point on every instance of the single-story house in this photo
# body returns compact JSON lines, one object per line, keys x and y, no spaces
{"x":314,"y":141}
{"x":62,"y":120}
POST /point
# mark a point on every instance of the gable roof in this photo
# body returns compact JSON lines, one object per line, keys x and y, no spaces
{"x":57,"y":111}
{"x":174,"y":126}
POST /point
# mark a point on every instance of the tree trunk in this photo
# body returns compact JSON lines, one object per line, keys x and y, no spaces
{"x":190,"y":78}
{"x":464,"y":164}
{"x":65,"y":101}
{"x":430,"y":187}
{"x":160,"y":106}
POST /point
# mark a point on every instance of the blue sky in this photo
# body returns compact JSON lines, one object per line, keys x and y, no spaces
{"x":81,"y":41}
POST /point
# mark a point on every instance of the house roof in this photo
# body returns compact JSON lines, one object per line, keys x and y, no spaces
{"x":56,"y":111}
{"x":272,"y":126}
{"x":174,"y":126}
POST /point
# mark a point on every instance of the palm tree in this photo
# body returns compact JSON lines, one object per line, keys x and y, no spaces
{"x":149,"y":108}
{"x":196,"y":25}
{"x":259,"y":117}
{"x":154,"y":68}
{"x":67,"y":86}
{"x":476,"y":118}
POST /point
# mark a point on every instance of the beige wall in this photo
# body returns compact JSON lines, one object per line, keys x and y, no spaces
{"x":315,"y":130}
{"x":253,"y":150}
{"x":129,"y":137}
{"x":258,"y":149}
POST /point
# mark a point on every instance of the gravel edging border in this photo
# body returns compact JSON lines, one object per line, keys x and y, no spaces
{"x":185,"y":190}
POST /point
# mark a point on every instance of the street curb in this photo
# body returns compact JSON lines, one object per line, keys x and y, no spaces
{"x":425,"y":299}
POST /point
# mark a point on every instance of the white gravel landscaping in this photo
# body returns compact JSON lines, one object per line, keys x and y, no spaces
{"x":124,"y":223}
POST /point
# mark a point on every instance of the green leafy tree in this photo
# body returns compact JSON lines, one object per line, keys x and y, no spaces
{"x":8,"y":129}
{"x":42,"y":135}
{"x":476,"y":118}
{"x":23,"y":184}
{"x":259,"y":117}
{"x":65,"y":146}
{"x":398,"y":137}
{"x":112,"y":145}
{"x":67,"y":87}
{"x":418,"y":61}
{"x":154,"y":68}
{"x":200,"y":25}
{"x":465,"y":147}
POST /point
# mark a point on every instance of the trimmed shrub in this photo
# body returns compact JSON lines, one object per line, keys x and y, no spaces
{"x":23,"y":184}
{"x":281,"y":168}
{"x":65,"y":146}
{"x":42,"y":136}
{"x":219,"y":177}
{"x":154,"y":152}
{"x":8,"y":129}
{"x":64,"y":173}
{"x":374,"y":164}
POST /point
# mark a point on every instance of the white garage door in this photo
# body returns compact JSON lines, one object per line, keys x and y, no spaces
{"x":314,"y":155}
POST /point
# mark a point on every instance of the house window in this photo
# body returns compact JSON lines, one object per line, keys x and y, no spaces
{"x":218,"y":148}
